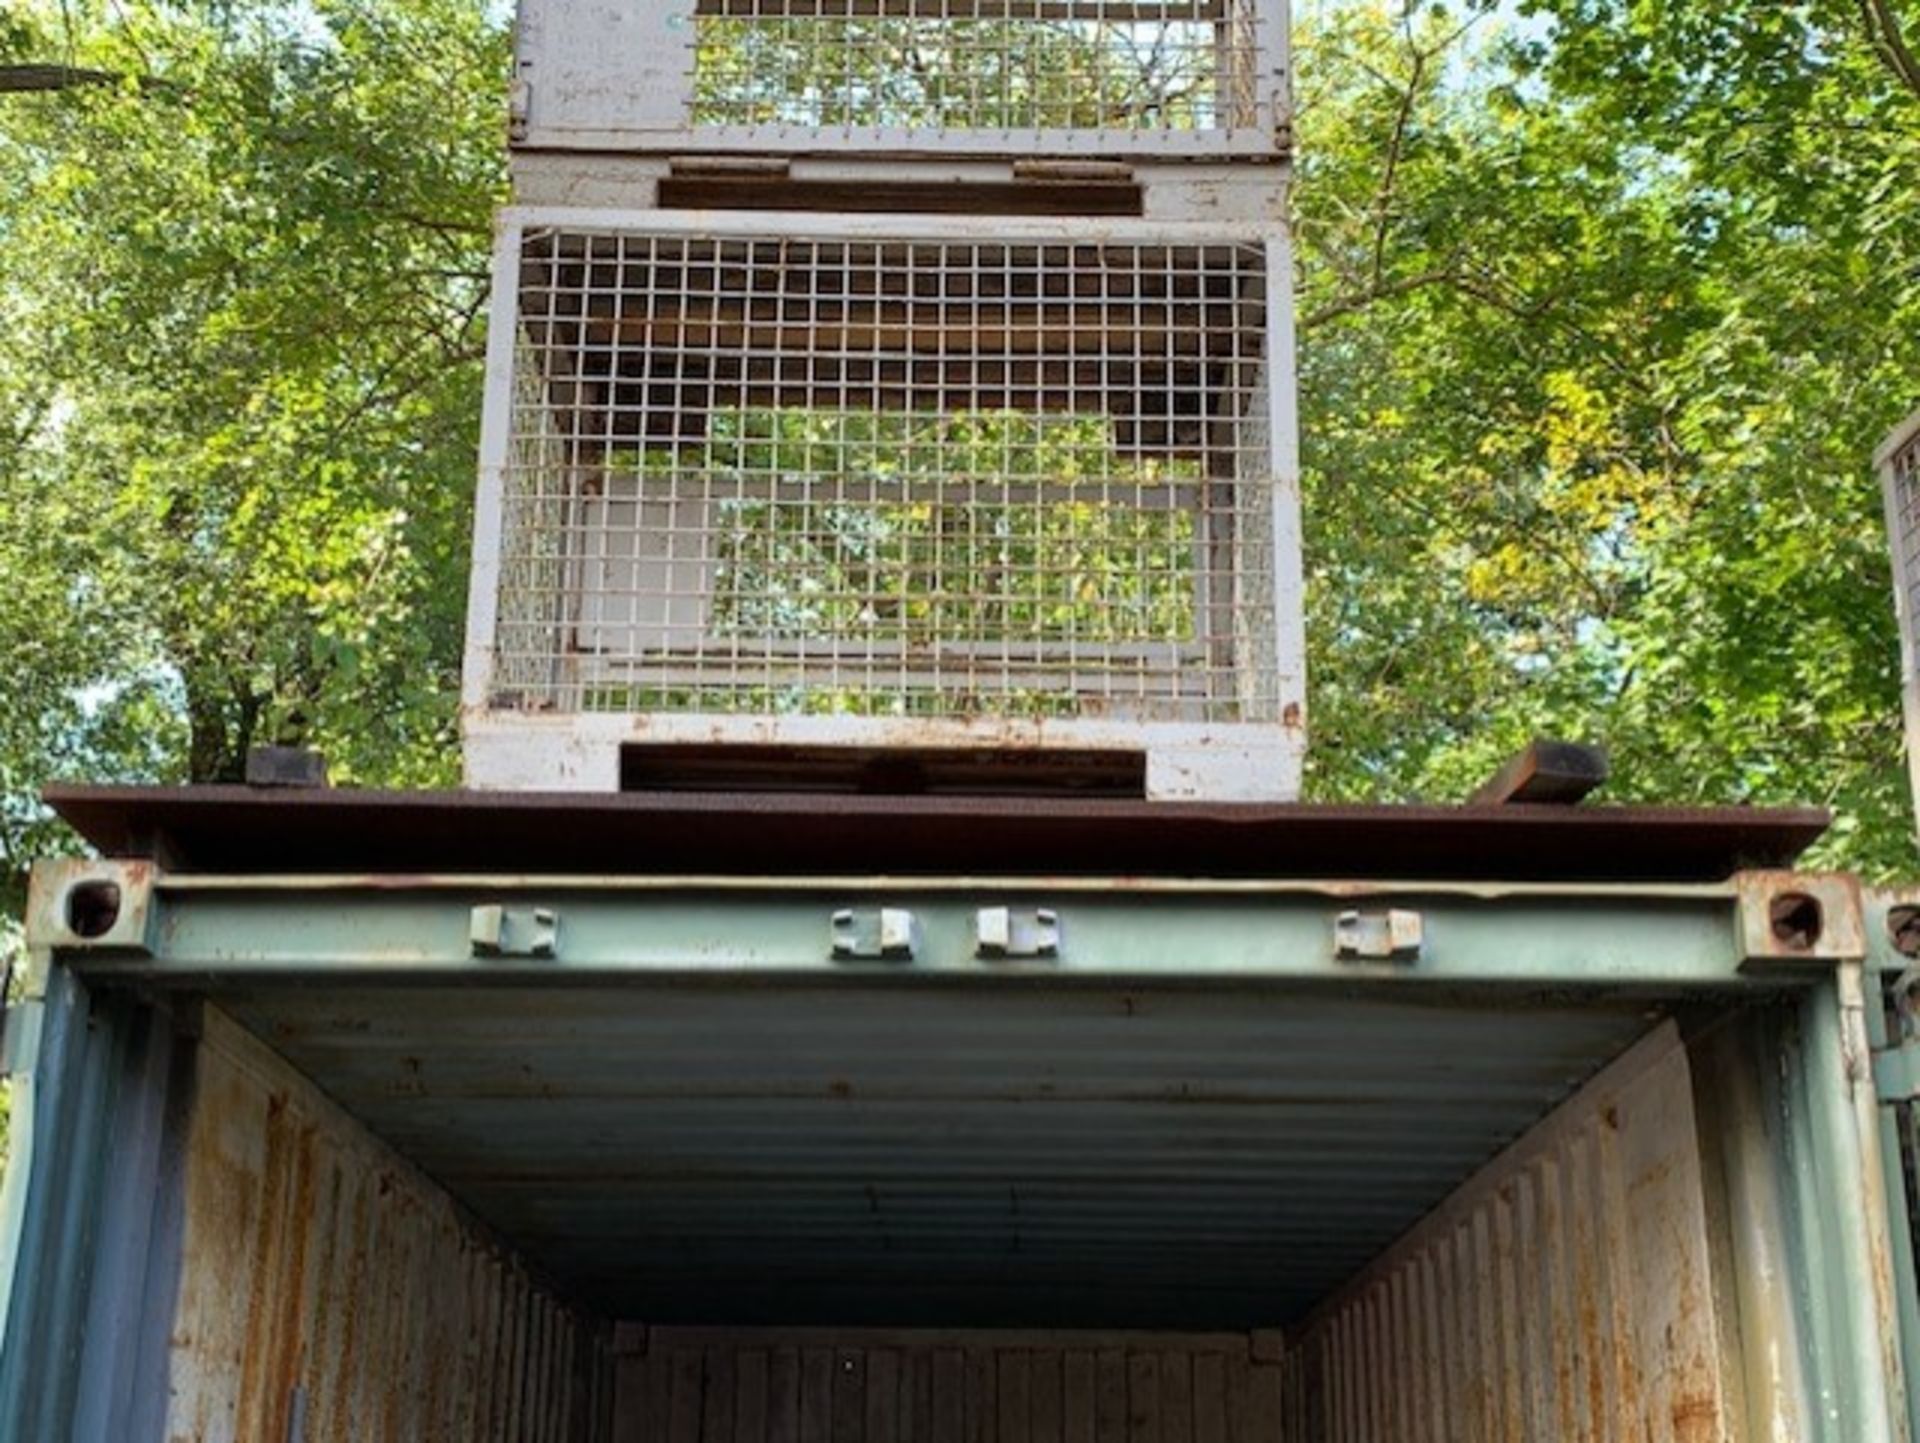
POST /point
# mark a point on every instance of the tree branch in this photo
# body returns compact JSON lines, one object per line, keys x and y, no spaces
{"x":1380,"y":291}
{"x":1883,"y":28}
{"x":40,"y":79}
{"x":18,"y":79}
{"x":1390,"y":173}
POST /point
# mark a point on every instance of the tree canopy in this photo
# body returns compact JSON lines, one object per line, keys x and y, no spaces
{"x":1606,"y":312}
{"x":1604,"y":305}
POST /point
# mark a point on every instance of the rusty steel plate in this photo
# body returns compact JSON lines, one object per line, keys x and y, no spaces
{"x":247,"y":830}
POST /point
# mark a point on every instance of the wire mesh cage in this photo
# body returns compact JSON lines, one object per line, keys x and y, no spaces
{"x":1004,"y":76}
{"x":852,"y":474}
{"x":1899,"y":464}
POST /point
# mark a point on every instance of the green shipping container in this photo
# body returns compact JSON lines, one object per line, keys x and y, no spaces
{"x":347,"y":1118}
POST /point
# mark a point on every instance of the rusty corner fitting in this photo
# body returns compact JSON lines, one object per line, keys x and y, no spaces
{"x":1800,"y":917}
{"x":99,"y":906}
{"x":1893,"y":929}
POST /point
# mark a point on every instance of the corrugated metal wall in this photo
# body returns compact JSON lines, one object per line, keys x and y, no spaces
{"x":95,"y":1128}
{"x":1564,"y":1293}
{"x":212,"y":1250}
{"x":329,"y":1293}
{"x":692,"y":1385}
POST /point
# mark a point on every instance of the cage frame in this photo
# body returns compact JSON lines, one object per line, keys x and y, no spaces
{"x":576,"y":87}
{"x":1897,"y":461}
{"x":512,"y":749}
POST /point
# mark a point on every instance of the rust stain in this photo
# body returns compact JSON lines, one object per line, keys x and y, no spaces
{"x":1797,"y":916}
{"x":316,"y":1261}
{"x":1566,"y":1287}
{"x":1696,"y":1419}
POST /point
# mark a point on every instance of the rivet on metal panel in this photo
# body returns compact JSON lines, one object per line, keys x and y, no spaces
{"x":1002,"y":932}
{"x":1391,"y":936}
{"x":497,"y":931}
{"x":1800,"y":917}
{"x":876,"y":933}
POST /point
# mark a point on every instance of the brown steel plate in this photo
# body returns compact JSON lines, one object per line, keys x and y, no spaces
{"x":258,"y":830}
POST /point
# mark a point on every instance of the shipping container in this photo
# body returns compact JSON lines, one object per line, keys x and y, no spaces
{"x":976,"y":1120}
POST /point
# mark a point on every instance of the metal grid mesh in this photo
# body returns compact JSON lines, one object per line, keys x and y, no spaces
{"x":976,"y":64}
{"x":1905,"y":468}
{"x":888,"y":478}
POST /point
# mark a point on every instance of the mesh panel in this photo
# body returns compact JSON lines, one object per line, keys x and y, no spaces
{"x":1906,"y":543}
{"x":889,"y":478}
{"x":534,"y":587}
{"x":976,"y":64}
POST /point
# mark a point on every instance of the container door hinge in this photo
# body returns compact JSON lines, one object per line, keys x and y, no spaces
{"x":1010,"y":933}
{"x":875,"y":934}
{"x":497,"y":931}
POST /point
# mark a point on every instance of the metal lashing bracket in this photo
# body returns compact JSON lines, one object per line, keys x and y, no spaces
{"x":497,"y":931}
{"x":875,"y":934}
{"x":1394,"y":935}
{"x":1009,"y":933}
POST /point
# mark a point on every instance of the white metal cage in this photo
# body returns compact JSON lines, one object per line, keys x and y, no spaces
{"x":825,"y":480}
{"x":1899,"y":465}
{"x":1032,"y":77}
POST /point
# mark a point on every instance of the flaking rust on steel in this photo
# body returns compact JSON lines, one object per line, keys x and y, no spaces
{"x":51,"y":915}
{"x":319,"y":1272}
{"x":236,"y":830}
{"x":1791,"y":916}
{"x":1565,"y":1292}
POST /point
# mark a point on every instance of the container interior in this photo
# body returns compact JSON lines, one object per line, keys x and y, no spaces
{"x":809,"y":1153}
{"x":868,"y":1209}
{"x":885,"y":1209}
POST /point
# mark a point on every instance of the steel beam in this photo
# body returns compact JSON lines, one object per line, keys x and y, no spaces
{"x":128,"y":919}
